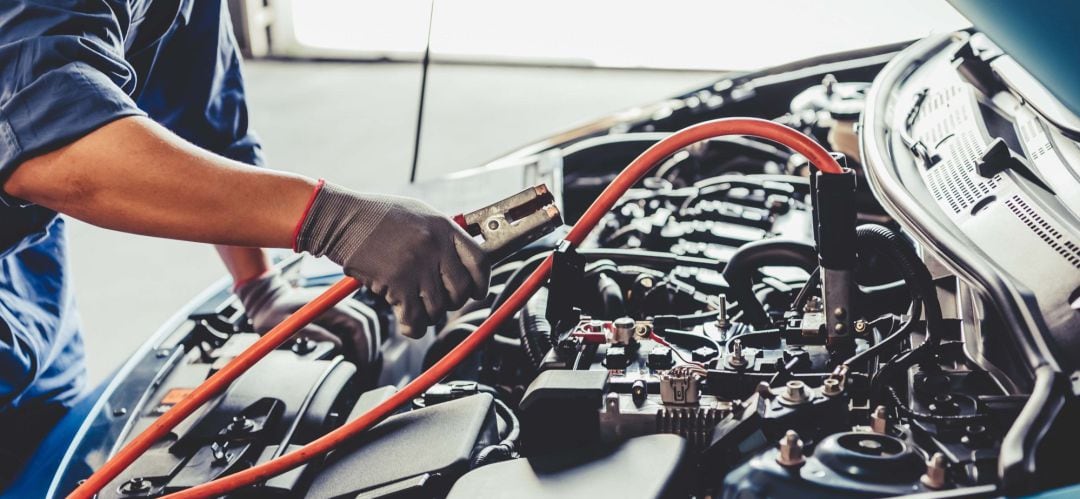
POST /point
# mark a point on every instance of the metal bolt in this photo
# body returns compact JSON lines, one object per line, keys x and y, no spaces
{"x":612,"y":400}
{"x":764,"y":391}
{"x":831,"y":387}
{"x":829,"y":82}
{"x":240,"y":424}
{"x":791,"y":450}
{"x":860,"y":326}
{"x":137,"y":485}
{"x":639,"y":392}
{"x":879,"y":421}
{"x":624,"y":330}
{"x":737,"y":359}
{"x":839,"y":312}
{"x":302,"y":346}
{"x":839,"y":327}
{"x":722,"y":315}
{"x":217,"y":449}
{"x":795,"y":392}
{"x":936,"y":469}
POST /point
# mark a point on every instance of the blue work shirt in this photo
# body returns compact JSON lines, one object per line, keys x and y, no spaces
{"x":68,"y":67}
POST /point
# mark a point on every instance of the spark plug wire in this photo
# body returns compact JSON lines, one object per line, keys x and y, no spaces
{"x":631,"y":175}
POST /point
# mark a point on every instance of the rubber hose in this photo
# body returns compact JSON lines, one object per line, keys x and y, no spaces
{"x":903,"y":331}
{"x":492,"y":454}
{"x":535,"y":328}
{"x":887,"y":243}
{"x":505,"y":449}
{"x":512,"y":423}
{"x":739,"y":271}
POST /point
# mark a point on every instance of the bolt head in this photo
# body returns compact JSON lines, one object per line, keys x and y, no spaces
{"x":795,"y":392}
{"x":736,"y":358}
{"x":791,"y":450}
{"x":831,"y":387}
{"x":936,"y":472}
{"x":879,"y":420}
{"x":136,"y":485}
{"x":612,"y":399}
{"x":240,"y":424}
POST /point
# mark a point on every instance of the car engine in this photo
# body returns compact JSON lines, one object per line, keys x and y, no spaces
{"x":738,"y":325}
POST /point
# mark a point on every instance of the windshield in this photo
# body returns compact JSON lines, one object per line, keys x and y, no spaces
{"x":679,"y":34}
{"x":1043,"y":40}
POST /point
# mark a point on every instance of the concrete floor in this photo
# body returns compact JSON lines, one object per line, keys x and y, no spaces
{"x":354,"y":124}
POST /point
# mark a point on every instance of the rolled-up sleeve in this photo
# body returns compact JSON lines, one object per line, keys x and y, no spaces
{"x":197,"y":86}
{"x":62,"y":75}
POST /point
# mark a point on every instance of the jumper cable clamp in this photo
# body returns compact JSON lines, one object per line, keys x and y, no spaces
{"x":508,"y":225}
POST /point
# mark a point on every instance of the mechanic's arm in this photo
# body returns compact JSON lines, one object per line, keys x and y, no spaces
{"x":135,"y":176}
{"x":243,"y":263}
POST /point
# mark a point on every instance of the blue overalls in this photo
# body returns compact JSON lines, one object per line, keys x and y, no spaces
{"x":68,"y":67}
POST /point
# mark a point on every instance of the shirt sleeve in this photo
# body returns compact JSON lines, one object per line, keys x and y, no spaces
{"x":62,"y":75}
{"x":197,"y":86}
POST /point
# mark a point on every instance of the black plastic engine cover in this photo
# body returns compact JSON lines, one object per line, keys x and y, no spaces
{"x":414,"y":454}
{"x":647,"y":467}
{"x":284,"y":401}
{"x":559,"y":410}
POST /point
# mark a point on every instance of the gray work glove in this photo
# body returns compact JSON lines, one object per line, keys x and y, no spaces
{"x":269,"y":299}
{"x":422,"y":263}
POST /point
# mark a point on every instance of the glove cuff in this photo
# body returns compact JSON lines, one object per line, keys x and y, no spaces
{"x":338,"y":222}
{"x":303,"y":216}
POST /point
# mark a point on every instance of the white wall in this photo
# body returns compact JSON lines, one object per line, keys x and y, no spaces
{"x":683,"y":34}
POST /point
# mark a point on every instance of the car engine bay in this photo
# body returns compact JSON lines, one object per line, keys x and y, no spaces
{"x":738,"y":325}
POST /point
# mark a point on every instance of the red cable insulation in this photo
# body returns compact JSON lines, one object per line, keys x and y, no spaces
{"x":217,"y":383}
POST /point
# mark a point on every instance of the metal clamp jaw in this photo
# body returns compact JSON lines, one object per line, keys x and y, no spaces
{"x":507,"y":225}
{"x":833,"y":198}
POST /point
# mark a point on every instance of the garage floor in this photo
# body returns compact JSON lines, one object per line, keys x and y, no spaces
{"x":353,"y":124}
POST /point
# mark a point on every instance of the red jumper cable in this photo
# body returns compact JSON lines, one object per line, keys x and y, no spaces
{"x":626,"y":179}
